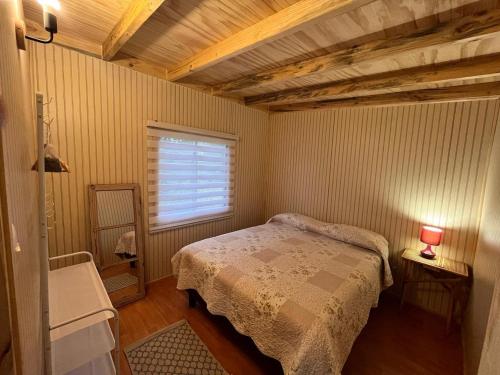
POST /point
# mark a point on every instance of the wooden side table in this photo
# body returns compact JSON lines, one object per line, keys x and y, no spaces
{"x":451,"y":274}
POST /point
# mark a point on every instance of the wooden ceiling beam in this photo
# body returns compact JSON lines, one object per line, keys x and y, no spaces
{"x":134,"y":17}
{"x":481,"y":25}
{"x":476,"y":67}
{"x":278,"y":25}
{"x":445,"y":94}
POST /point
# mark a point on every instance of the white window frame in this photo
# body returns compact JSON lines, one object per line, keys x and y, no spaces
{"x":195,"y":131}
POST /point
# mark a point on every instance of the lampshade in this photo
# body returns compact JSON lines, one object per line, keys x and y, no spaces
{"x":431,"y":235}
{"x":53,"y":163}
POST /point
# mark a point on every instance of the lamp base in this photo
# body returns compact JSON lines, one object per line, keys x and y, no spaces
{"x":427,"y":253}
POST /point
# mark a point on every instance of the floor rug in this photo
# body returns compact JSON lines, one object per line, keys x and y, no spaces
{"x":123,"y":280}
{"x":174,"y":350}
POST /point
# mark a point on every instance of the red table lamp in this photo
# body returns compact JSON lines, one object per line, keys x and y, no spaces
{"x":432,"y":237}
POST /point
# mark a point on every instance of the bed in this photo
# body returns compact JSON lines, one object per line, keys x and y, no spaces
{"x":302,"y":289}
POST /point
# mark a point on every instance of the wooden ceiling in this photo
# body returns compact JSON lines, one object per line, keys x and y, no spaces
{"x":286,"y":55}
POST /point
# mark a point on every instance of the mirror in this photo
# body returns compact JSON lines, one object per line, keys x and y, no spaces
{"x":117,"y":245}
{"x":118,"y":240}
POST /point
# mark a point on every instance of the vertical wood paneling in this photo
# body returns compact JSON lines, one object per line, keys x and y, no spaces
{"x":100,"y":113}
{"x":19,"y":198}
{"x":479,"y":322}
{"x":387,"y":169}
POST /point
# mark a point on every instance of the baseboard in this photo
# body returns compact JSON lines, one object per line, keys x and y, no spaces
{"x":158,"y":279}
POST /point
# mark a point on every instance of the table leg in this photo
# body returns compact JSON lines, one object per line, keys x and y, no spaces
{"x":451,"y":308}
{"x":462,"y":299}
{"x":405,"y":277}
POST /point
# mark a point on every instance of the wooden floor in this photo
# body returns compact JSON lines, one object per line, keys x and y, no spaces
{"x":393,"y":342}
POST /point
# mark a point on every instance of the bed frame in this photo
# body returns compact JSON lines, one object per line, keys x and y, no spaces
{"x":193,"y":297}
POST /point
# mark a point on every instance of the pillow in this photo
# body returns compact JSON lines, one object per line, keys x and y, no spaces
{"x":341,"y":232}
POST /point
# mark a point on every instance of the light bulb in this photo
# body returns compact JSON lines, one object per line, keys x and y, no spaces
{"x":54,"y":4}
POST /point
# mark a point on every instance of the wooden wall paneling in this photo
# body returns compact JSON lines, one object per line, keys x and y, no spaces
{"x":387,"y":169}
{"x":101,"y":110}
{"x":19,"y":197}
{"x":478,"y":332}
{"x":380,"y":168}
{"x":55,"y":111}
{"x":8,"y":324}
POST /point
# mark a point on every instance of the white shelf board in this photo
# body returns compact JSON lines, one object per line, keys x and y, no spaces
{"x":102,"y":365}
{"x":74,"y":291}
{"x":73,"y":351}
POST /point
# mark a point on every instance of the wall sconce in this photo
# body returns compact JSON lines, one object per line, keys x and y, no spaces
{"x":49,"y":20}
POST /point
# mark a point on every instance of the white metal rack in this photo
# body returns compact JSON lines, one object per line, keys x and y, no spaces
{"x":75,"y":305}
{"x":80,"y":335}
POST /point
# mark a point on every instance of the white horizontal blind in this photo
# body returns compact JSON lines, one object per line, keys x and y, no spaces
{"x":190,"y":177}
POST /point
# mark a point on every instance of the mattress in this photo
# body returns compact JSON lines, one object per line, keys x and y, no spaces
{"x":300,"y":288}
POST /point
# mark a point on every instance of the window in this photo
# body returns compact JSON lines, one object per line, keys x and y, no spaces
{"x":190,"y":176}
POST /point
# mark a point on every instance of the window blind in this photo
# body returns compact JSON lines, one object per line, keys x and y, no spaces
{"x":190,"y":177}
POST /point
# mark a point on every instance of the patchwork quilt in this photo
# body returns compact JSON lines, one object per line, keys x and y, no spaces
{"x":302,"y":289}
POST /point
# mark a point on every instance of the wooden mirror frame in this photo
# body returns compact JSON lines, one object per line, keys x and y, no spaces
{"x":139,"y":232}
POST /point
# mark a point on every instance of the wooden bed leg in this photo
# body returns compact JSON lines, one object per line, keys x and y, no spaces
{"x":191,"y":297}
